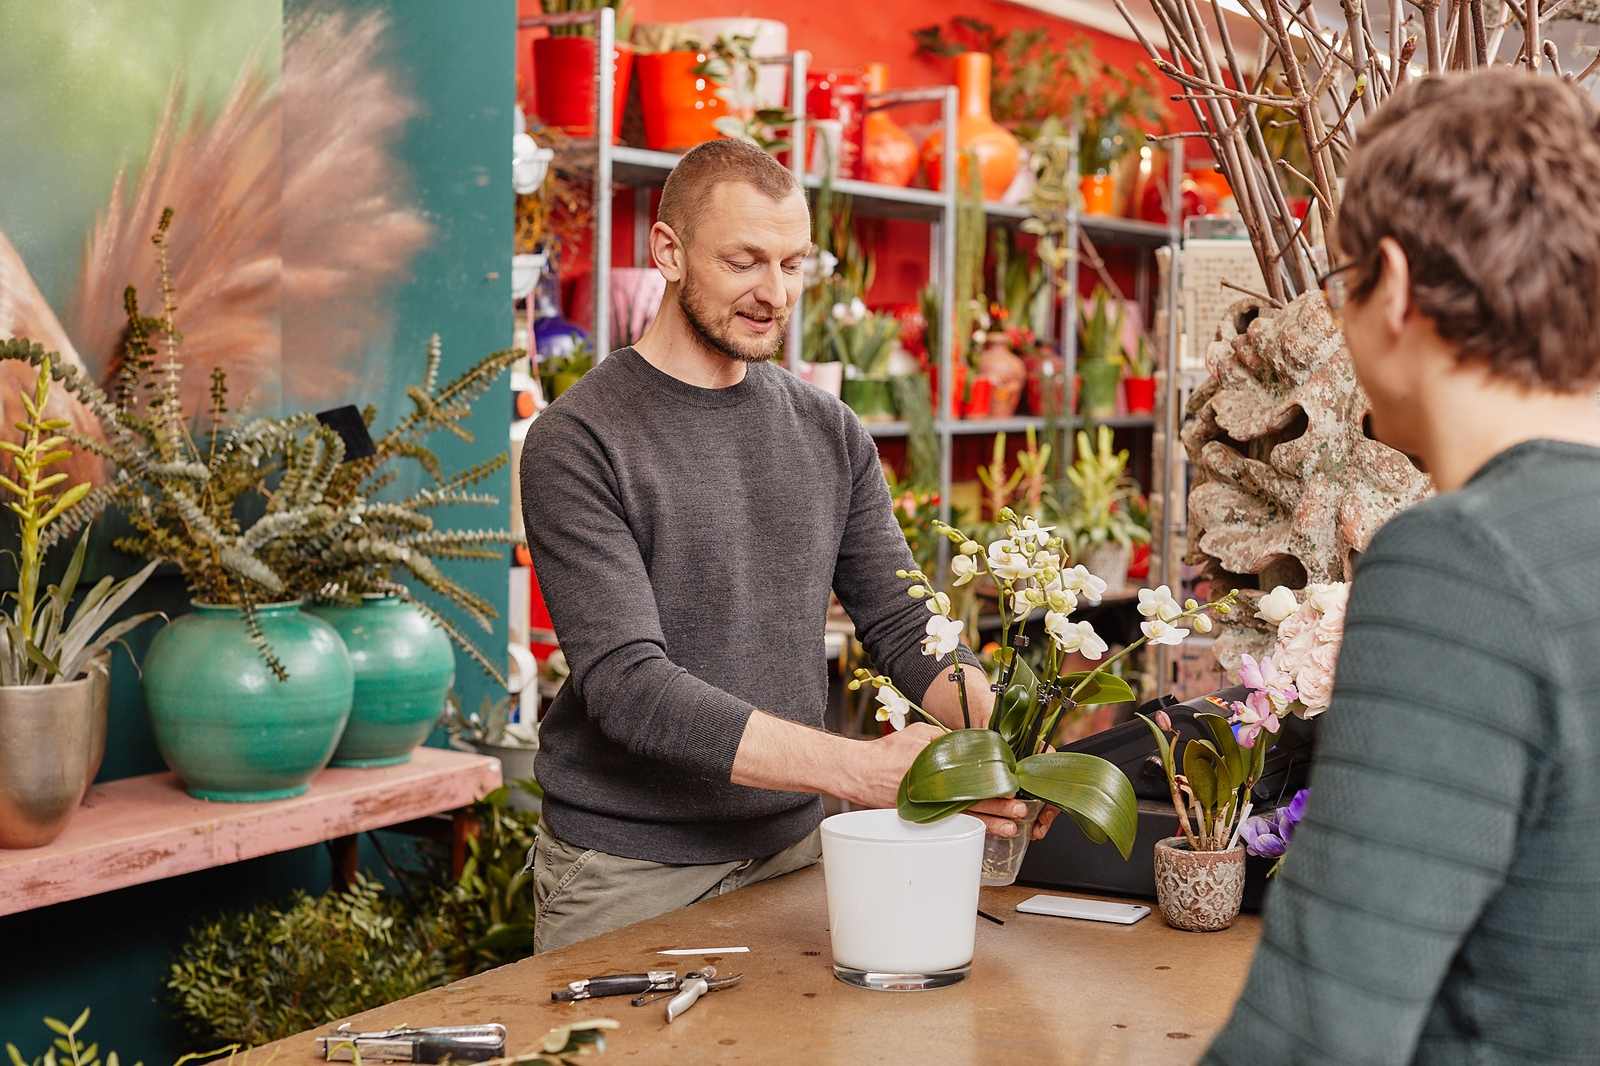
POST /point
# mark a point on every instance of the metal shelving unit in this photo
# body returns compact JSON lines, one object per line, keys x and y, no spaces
{"x":614,"y":165}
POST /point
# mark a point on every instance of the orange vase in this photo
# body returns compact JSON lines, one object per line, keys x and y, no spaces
{"x":1099,"y":192}
{"x":890,"y":154}
{"x":977,"y":133}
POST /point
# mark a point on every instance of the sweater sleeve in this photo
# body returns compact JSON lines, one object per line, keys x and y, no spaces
{"x":1427,"y":764}
{"x":889,"y":623}
{"x":597,"y":587}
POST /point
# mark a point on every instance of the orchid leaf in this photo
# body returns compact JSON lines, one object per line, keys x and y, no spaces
{"x":1093,"y":791}
{"x":1236,"y":758}
{"x":1200,"y":762}
{"x":1163,"y":747}
{"x":1017,"y":704}
{"x":955,"y":771}
{"x":1104,"y":688}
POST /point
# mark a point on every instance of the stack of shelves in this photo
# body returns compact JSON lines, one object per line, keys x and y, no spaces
{"x":614,"y":166}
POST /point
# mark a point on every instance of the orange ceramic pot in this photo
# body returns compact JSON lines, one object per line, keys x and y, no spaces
{"x":563,"y":71}
{"x":1099,"y":192}
{"x":1006,"y":373}
{"x":889,"y":156}
{"x":680,"y":106}
{"x":994,"y":147}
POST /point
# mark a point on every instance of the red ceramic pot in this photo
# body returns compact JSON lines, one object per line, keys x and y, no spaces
{"x":1099,"y":192}
{"x":680,"y":106}
{"x":1140,"y":394}
{"x":840,"y":95}
{"x":981,"y":400}
{"x":958,"y":386}
{"x":563,"y":71}
{"x":889,"y":153}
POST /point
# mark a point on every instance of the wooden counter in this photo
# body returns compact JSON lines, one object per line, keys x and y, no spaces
{"x":1042,"y":990}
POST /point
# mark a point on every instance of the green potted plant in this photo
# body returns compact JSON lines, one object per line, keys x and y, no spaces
{"x":247,"y":694}
{"x":862,"y":341}
{"x":1139,"y":386}
{"x":1100,"y":524}
{"x":348,"y":562}
{"x":558,"y":373}
{"x":1100,"y":360}
{"x":54,"y":668}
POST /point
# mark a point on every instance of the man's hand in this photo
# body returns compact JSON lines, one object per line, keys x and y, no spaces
{"x":997,"y":815}
{"x":884,"y":762}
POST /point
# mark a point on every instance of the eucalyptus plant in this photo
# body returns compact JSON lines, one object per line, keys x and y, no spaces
{"x":39,"y":643}
{"x":359,"y":540}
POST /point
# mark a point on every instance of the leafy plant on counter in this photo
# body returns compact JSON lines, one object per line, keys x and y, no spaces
{"x":1104,"y":497}
{"x":39,"y":644}
{"x":730,"y":66}
{"x":356,"y":541}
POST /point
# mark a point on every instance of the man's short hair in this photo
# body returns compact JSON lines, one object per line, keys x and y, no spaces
{"x":1490,"y":183}
{"x":705,"y":167}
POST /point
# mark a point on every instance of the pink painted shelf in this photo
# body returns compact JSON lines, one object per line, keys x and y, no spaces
{"x":147,"y":828}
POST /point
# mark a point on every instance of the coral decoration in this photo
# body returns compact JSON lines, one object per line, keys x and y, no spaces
{"x":1287,"y":484}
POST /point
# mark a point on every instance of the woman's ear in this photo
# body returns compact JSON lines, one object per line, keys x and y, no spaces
{"x":668,"y":252}
{"x":1393,"y":291}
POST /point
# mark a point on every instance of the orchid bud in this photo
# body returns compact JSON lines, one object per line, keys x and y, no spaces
{"x":1202,"y":623}
{"x":1191,"y":604}
{"x":971,"y":547}
{"x":854,"y":686}
{"x":902,"y":573}
{"x":916,"y":592}
{"x":1163,"y":722}
{"x":1224,"y":609}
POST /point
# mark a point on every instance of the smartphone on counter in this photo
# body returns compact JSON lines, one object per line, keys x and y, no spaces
{"x":1093,"y":910}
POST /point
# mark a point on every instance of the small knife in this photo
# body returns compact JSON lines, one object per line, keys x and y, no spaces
{"x":457,"y":1043}
{"x":622,"y":984}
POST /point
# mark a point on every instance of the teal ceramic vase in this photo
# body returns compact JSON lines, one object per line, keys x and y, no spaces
{"x":225,"y":723}
{"x":404,"y":667}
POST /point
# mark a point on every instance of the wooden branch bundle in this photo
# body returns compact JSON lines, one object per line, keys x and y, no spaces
{"x":1316,"y":82}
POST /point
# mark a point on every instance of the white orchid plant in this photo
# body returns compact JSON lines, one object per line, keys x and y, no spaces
{"x":1012,"y":755}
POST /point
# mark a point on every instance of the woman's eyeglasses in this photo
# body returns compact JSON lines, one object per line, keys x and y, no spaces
{"x":1335,"y":285}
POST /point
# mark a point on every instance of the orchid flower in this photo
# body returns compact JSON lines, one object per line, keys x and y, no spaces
{"x":943,"y":636}
{"x":1160,"y":631}
{"x":1008,"y":564}
{"x":893,"y":707}
{"x":1252,"y":717}
{"x":1078,"y":579}
{"x":963,"y":568}
{"x":1072,"y":636}
{"x":1030,"y":529}
{"x":1161,"y":605}
{"x":1266,"y":679}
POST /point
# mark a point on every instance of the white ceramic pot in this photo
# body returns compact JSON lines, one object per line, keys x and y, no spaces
{"x":902,"y":898}
{"x":1109,"y":563}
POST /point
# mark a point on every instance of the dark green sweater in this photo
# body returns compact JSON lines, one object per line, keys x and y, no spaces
{"x":1441,"y":901}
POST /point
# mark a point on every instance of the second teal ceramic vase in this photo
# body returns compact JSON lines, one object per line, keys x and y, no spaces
{"x":404,"y":667}
{"x":225,"y":723}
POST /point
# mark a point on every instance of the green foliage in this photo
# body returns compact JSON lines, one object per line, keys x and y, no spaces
{"x":1103,"y":497}
{"x":1216,"y":779}
{"x":1102,"y":331}
{"x":1033,"y":78}
{"x":354,"y":541}
{"x":38,"y":644}
{"x":966,"y":766}
{"x":258,"y":975}
{"x":866,"y":344}
{"x":733,"y":69}
{"x":267,"y":973}
{"x":624,"y":18}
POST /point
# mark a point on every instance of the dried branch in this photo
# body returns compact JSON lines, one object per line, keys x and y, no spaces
{"x":1263,"y":297}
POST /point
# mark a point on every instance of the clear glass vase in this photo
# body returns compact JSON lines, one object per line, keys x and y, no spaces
{"x":1002,"y":856}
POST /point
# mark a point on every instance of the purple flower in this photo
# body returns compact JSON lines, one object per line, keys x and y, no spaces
{"x":1297,"y":806}
{"x":1261,"y":838}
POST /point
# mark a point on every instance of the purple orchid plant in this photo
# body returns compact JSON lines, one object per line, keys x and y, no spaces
{"x":1268,"y":836}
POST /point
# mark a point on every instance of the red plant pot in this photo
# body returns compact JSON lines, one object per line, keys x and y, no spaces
{"x":1140,"y":394}
{"x":563,"y":71}
{"x":680,"y":107}
{"x":841,"y":95}
{"x":982,"y":398}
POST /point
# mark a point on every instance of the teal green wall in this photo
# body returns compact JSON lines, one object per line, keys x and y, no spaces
{"x":110,"y":952}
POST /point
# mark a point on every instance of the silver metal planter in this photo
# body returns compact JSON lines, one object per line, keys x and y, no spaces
{"x":52,"y":738}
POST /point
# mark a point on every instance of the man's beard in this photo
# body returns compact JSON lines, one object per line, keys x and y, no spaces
{"x":719,"y":335}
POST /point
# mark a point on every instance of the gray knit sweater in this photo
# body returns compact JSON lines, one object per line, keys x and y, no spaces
{"x":686,"y":540}
{"x":1441,"y":901}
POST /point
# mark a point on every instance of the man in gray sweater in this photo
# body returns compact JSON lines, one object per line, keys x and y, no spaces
{"x":689,"y":507}
{"x":1441,"y":900}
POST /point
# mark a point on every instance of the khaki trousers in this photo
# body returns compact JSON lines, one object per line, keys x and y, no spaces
{"x":580,"y":893}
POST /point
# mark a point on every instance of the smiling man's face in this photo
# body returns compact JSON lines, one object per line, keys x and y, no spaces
{"x":742,"y":271}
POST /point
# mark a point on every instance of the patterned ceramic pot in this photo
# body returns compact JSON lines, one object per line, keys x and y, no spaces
{"x":1198,"y":890}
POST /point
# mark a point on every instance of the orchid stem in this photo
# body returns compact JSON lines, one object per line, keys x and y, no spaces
{"x":961,"y":692}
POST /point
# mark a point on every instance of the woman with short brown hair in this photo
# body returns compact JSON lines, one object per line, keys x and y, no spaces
{"x":1441,"y":902}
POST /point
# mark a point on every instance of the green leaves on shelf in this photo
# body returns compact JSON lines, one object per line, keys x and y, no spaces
{"x":966,"y":766}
